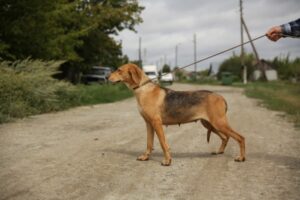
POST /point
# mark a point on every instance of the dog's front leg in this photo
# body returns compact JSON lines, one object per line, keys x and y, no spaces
{"x":157,"y":125}
{"x":150,"y":137}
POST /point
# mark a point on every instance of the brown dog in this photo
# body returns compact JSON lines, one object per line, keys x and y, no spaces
{"x":160,"y":106}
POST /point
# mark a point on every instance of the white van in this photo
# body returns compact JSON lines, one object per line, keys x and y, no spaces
{"x":151,"y":71}
{"x":167,"y":78}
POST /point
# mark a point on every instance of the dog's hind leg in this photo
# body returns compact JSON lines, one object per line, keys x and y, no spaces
{"x":150,"y":137}
{"x":222,"y":126}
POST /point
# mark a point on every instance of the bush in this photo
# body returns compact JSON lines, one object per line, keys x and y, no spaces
{"x":27,"y":88}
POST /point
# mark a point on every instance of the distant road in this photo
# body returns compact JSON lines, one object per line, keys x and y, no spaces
{"x":89,"y":153}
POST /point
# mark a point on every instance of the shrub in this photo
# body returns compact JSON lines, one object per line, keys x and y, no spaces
{"x":27,"y":88}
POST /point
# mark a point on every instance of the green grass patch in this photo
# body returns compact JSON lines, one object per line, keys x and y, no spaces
{"x":94,"y":94}
{"x":280,"y":96}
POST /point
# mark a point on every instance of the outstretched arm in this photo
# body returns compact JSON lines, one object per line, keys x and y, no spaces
{"x":288,"y":29}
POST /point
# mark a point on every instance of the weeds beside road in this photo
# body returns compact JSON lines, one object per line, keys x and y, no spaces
{"x":279,"y":96}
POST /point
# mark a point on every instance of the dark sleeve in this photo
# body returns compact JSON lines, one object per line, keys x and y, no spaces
{"x":291,"y":28}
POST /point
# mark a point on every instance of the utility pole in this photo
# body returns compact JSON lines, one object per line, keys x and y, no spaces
{"x":251,"y":42}
{"x":145,"y":56}
{"x":176,"y":55}
{"x":242,"y":46}
{"x":260,"y":65}
{"x":195,"y":53}
{"x":140,"y":51}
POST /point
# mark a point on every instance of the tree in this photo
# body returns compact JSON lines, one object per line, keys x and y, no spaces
{"x":39,"y":29}
{"x":210,"y":69}
{"x":77,"y":31}
{"x":286,"y":68}
{"x":106,"y":18}
{"x":166,"y":68}
{"x":233,"y":65}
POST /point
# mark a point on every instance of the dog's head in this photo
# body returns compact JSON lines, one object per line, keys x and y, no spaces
{"x":130,"y":74}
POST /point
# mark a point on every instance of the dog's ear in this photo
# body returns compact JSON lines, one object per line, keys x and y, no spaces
{"x":135,"y":75}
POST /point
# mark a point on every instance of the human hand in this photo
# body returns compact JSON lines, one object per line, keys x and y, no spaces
{"x":274,"y":33}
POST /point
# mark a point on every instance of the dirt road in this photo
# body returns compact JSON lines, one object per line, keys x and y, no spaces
{"x":90,"y":153}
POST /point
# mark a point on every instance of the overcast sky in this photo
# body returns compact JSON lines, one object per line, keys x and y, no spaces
{"x":168,"y":23}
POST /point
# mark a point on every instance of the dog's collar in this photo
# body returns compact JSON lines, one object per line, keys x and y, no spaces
{"x":148,"y":81}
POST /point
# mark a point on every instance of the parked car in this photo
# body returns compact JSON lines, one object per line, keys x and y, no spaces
{"x":167,"y":78}
{"x":97,"y":75}
{"x":151,"y":71}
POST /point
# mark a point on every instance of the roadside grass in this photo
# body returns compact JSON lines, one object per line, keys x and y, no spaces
{"x":22,"y":104}
{"x":279,"y":96}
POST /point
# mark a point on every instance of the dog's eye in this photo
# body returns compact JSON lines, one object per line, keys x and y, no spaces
{"x":119,"y":71}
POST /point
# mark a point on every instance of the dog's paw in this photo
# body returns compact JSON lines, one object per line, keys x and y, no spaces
{"x":239,"y":159}
{"x":143,"y":157}
{"x":166,"y":162}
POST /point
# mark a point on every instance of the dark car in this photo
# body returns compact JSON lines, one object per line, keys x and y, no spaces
{"x":97,"y":75}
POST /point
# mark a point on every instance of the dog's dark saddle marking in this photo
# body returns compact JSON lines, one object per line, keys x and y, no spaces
{"x":178,"y":103}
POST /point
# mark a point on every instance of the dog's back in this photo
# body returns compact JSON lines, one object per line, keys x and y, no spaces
{"x":183,"y":106}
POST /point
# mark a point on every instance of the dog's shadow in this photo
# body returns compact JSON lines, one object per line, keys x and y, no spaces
{"x":283,"y":160}
{"x":160,"y":154}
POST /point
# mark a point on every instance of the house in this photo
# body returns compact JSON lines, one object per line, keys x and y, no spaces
{"x":265,"y":71}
